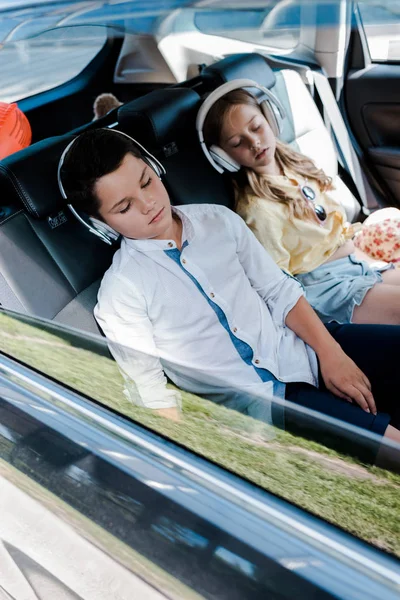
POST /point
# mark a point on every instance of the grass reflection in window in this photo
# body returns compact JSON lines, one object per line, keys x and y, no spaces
{"x":362,"y":499}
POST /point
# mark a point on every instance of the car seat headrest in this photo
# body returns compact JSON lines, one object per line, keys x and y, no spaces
{"x":239,"y":66}
{"x":158,"y":118}
{"x":29,"y":177}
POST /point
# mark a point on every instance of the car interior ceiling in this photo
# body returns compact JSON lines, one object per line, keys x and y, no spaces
{"x":41,"y":241}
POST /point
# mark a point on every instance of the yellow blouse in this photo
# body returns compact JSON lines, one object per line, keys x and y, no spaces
{"x":296,"y":245}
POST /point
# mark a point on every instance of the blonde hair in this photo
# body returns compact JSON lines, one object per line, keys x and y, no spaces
{"x":248,"y":183}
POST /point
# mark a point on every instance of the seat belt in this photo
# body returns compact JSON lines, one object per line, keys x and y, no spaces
{"x":334,"y":121}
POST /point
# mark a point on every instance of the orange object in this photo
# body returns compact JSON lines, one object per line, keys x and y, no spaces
{"x":15,"y":131}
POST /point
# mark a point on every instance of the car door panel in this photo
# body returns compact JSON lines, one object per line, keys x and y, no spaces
{"x":372,"y":101}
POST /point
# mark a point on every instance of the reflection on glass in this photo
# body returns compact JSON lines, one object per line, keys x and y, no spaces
{"x":41,"y":61}
{"x":328,"y":477}
{"x":174,"y":532}
{"x":237,"y":562}
{"x":278,"y":25}
{"x":381,"y":23}
{"x":298,"y":563}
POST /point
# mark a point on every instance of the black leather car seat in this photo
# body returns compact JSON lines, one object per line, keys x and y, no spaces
{"x":164,"y":122}
{"x":50,"y":266}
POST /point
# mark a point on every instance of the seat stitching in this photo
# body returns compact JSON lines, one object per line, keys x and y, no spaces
{"x":19,"y":189}
{"x":11,"y":217}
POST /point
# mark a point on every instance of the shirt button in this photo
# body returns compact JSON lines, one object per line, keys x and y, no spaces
{"x":170,"y":244}
{"x":184,"y":261}
{"x":234,"y":329}
{"x":212,"y":295}
{"x":257,"y":361}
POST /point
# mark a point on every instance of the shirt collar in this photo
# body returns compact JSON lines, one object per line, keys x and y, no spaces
{"x":150,"y":245}
{"x":287,"y":174}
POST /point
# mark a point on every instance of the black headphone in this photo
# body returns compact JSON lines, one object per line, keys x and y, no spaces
{"x":98,"y":228}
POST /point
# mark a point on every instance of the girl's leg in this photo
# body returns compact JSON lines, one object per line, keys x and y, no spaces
{"x":391,"y":277}
{"x":381,"y":304}
{"x":393,"y":434}
{"x":389,"y":457}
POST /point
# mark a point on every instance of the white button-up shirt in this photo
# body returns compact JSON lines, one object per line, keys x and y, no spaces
{"x":157,"y":315}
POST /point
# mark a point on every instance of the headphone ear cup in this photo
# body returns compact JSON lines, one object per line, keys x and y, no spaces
{"x":105,"y":230}
{"x":153,"y":165}
{"x":223,"y":159}
{"x":271,"y":116}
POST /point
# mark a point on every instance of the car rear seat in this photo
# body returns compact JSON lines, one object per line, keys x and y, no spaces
{"x":164,"y":121}
{"x":50,"y":266}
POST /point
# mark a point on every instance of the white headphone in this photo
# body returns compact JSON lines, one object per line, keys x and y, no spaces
{"x":270,"y":106}
{"x":98,"y":228}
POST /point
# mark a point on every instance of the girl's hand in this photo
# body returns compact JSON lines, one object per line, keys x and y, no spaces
{"x":343,"y":378}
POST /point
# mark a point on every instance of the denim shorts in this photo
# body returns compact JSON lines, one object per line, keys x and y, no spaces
{"x":335,"y":288}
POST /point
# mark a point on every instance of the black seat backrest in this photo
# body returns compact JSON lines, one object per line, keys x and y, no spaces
{"x":50,"y":265}
{"x":164,"y":122}
{"x":237,"y":66}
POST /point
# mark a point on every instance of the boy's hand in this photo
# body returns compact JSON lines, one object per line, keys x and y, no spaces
{"x":170,"y":413}
{"x":343,"y":378}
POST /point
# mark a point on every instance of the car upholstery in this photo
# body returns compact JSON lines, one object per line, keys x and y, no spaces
{"x":51,"y":266}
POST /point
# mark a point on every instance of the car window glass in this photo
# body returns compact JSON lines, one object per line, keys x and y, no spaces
{"x":381,"y":23}
{"x":30,"y":64}
{"x":332,"y":480}
{"x":276,"y":26}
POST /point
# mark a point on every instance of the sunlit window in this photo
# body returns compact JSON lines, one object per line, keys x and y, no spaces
{"x":381,"y":22}
{"x":35,"y":64}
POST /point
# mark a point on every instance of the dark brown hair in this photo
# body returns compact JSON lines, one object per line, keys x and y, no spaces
{"x":93,"y":154}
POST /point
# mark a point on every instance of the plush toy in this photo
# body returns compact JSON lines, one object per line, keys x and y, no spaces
{"x":103,"y":104}
{"x":15,"y":131}
{"x":380,"y":236}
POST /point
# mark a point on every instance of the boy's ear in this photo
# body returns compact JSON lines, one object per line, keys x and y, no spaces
{"x":223,"y":159}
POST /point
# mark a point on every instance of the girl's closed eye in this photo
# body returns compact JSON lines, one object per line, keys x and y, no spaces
{"x":237,"y":145}
{"x":125,"y":210}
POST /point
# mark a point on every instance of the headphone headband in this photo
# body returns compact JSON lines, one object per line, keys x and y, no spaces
{"x":102,"y":230}
{"x":221,"y":91}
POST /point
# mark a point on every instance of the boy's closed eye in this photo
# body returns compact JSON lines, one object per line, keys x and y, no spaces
{"x":129,"y":203}
{"x":147,"y":183}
